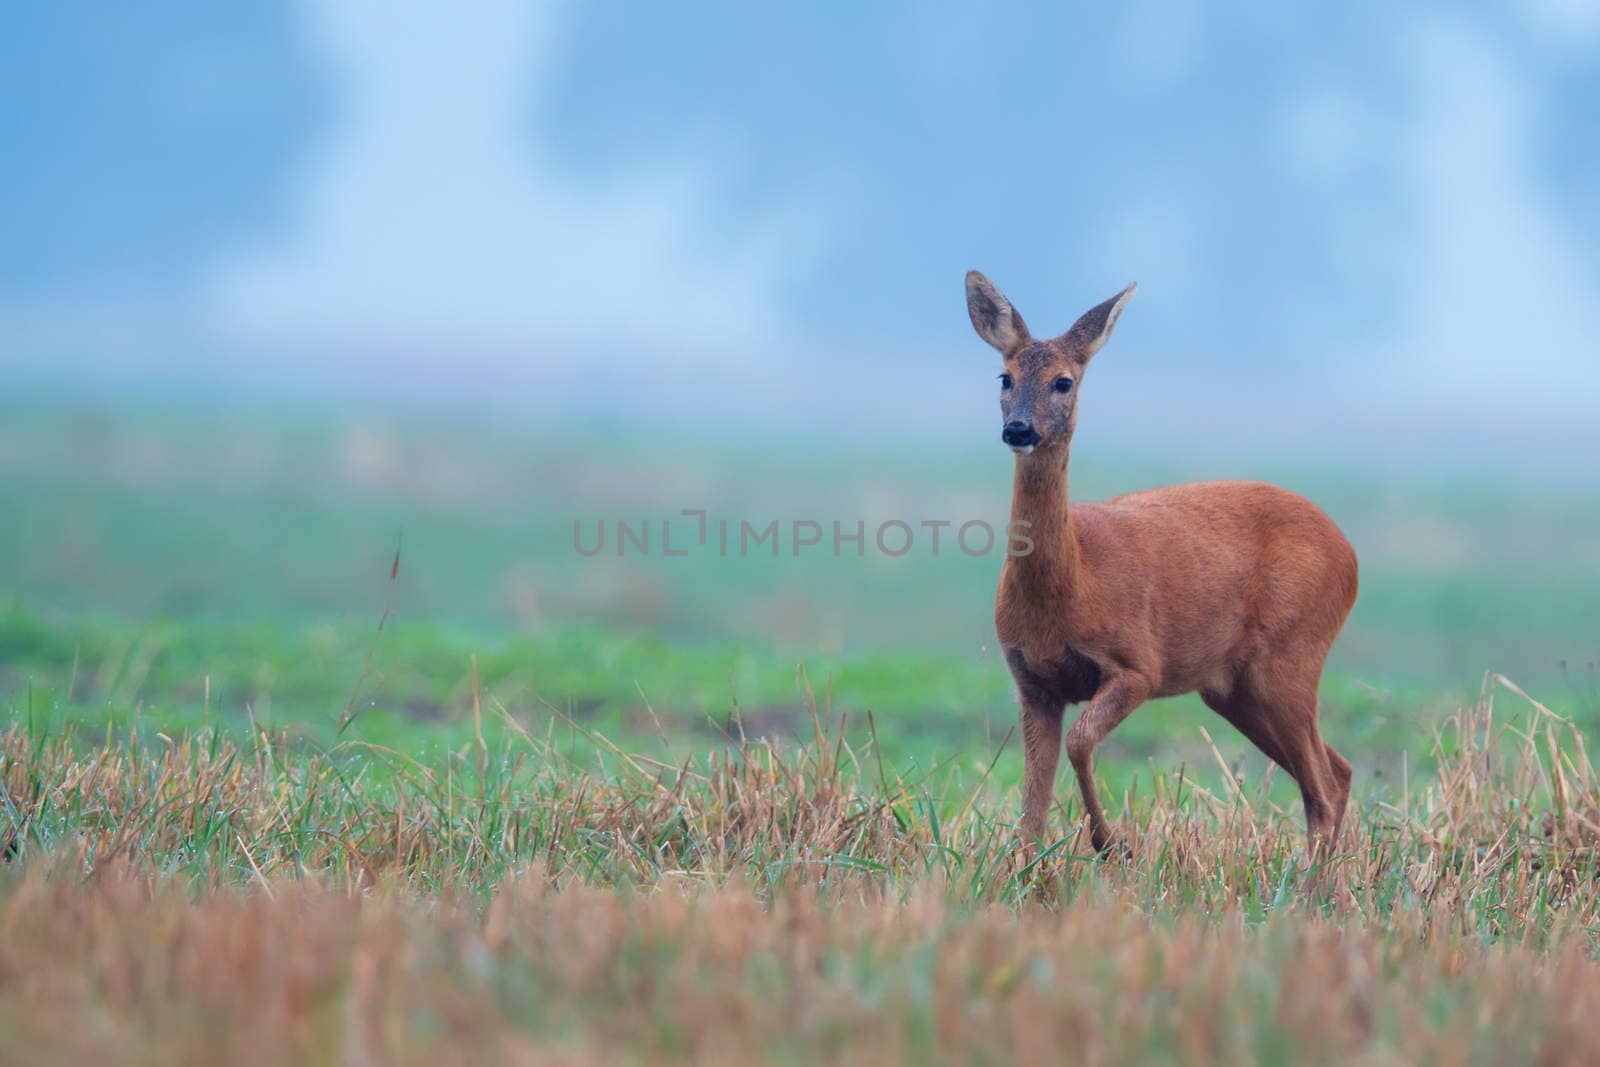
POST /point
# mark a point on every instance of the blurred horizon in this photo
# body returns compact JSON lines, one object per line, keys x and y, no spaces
{"x":273,"y":522}
{"x":1362,"y":237}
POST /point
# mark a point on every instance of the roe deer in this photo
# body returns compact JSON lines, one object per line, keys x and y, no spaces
{"x":1232,"y":589}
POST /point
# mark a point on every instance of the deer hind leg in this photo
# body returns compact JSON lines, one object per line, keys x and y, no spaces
{"x":1279,"y":716}
{"x":1342,"y":773}
{"x":1115,"y":701}
{"x":1290,"y":694}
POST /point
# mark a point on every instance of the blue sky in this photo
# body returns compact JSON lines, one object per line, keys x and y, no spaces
{"x":1367,"y":217}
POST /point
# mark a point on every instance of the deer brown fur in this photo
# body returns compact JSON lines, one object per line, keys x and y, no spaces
{"x":1234,"y":590}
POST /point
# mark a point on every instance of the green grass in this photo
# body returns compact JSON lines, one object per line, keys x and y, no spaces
{"x":585,"y":693}
{"x":469,"y":807}
{"x":410,"y":687}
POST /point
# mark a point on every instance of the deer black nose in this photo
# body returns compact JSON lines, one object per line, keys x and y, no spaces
{"x":1019,"y":434}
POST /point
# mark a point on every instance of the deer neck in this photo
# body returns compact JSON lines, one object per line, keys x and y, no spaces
{"x":1040,"y":511}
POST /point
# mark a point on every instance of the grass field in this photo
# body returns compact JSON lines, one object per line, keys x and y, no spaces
{"x":322,"y":745}
{"x":182,"y":898}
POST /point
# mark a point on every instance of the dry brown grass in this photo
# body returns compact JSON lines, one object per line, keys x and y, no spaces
{"x":119,"y":969}
{"x":195,"y":903}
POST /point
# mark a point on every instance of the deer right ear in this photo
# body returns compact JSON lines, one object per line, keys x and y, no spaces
{"x":996,"y":321}
{"x":1094,"y":328}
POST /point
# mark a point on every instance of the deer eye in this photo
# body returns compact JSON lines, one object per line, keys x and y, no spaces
{"x":1005,"y":381}
{"x":1063,"y":385}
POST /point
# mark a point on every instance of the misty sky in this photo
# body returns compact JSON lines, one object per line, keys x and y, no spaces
{"x":1363,"y":220}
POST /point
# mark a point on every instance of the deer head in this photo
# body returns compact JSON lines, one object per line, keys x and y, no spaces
{"x":1039,"y":385}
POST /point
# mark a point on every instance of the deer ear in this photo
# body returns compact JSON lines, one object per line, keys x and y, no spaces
{"x":1094,"y":328}
{"x":992,"y":314}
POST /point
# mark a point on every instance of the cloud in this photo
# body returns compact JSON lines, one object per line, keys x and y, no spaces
{"x":1501,"y":296}
{"x":1328,"y":133}
{"x":438,"y":216}
{"x":1569,"y":27}
{"x":1159,"y":43}
{"x":1156,"y":228}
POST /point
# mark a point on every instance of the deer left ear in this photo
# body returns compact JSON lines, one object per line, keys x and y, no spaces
{"x":1093,"y":330}
{"x":996,"y":321}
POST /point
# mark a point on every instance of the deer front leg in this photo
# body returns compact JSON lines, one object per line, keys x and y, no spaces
{"x":1041,"y":743}
{"x":1115,"y":701}
{"x":1041,"y":752}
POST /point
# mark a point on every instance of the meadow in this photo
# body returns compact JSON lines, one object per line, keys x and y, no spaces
{"x":323,"y":745}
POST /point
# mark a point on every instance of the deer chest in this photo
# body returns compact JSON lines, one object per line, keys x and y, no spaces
{"x":1067,"y":678}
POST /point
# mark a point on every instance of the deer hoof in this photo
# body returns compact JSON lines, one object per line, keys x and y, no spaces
{"x":1112,"y":847}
